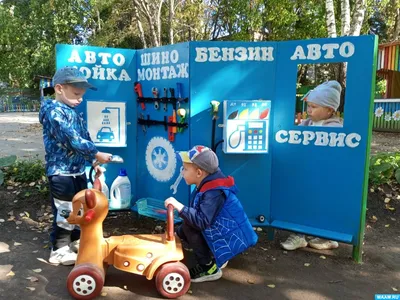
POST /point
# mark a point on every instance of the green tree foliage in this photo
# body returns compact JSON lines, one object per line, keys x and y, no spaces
{"x":29,"y":32}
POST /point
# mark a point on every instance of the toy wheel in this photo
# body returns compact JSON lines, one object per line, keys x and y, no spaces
{"x":85,"y":281}
{"x":173,"y":280}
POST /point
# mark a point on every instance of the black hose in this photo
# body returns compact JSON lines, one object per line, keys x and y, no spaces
{"x":216,"y":145}
{"x":91,"y":175}
{"x":214,"y":121}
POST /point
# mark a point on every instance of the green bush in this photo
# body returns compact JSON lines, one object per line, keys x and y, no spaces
{"x":26,"y":171}
{"x":5,"y":162}
{"x":384,"y":168}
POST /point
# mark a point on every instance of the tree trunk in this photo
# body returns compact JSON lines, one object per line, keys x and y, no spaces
{"x":330,"y":18}
{"x":345,"y":17}
{"x":158,"y":22}
{"x":148,"y":12}
{"x":171,"y":18}
{"x":358,"y":17}
{"x":140,"y":27}
{"x":396,"y":32}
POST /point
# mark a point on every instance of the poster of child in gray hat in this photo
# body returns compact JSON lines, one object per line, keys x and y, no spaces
{"x":322,"y":104}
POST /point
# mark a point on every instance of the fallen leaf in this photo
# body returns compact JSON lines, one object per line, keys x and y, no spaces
{"x":250,"y":281}
{"x":2,"y":220}
{"x":387,"y":200}
{"x":37,"y":270}
{"x":17,"y":244}
{"x":394,"y":289}
{"x":374,"y":219}
{"x":265,"y":249}
{"x":30,"y":288}
{"x":35,"y":238}
{"x":387,"y":225}
{"x":35,"y":251}
{"x":10,"y":274}
{"x":32,"y":279}
{"x":322,"y":257}
{"x":371,"y":190}
{"x":32,"y":184}
{"x":307,"y":264}
{"x":18,"y":222}
{"x":190,"y":292}
{"x":26,"y":214}
{"x":272,"y":286}
{"x":335,"y":281}
{"x":393,"y":219}
{"x":22,"y":214}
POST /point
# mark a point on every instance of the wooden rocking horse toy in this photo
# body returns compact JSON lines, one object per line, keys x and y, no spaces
{"x":151,"y":255}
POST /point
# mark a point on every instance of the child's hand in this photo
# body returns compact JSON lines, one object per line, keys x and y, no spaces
{"x":103,"y":157}
{"x":99,"y":171}
{"x":175,"y":203}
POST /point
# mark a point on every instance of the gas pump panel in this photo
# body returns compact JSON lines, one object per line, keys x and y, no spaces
{"x":246,"y":126}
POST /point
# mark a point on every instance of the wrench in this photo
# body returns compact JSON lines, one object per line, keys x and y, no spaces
{"x":165,"y":99}
{"x":174,"y":186}
{"x":155,"y":95}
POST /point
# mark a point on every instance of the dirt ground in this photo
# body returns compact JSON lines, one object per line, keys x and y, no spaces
{"x":263,"y":272}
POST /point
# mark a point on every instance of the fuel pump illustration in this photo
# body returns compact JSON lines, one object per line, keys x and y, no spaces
{"x":246,"y":124}
{"x":251,"y":133}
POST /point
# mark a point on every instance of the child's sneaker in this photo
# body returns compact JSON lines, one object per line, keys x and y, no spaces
{"x":74,"y":246}
{"x":322,"y":244}
{"x":294,"y":242}
{"x":209,"y":272}
{"x":63,"y":256}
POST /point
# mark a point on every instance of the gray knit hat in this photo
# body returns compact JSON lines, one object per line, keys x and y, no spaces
{"x":203,"y":157}
{"x":326,"y":94}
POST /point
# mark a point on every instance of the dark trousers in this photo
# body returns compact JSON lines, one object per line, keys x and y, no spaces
{"x":195,"y":240}
{"x":62,"y":191}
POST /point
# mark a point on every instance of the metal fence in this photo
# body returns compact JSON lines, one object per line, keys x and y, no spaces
{"x":386,"y":115}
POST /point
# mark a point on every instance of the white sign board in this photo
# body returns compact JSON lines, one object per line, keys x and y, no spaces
{"x":107,"y":123}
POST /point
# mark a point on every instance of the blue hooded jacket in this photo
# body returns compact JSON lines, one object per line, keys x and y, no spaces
{"x":218,"y":214}
{"x":66,"y":139}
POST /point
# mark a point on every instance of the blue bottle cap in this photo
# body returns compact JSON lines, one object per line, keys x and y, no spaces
{"x":122,"y":172}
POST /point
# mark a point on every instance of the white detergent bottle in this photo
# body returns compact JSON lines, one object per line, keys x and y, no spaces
{"x":120,"y":193}
{"x":104,"y":187}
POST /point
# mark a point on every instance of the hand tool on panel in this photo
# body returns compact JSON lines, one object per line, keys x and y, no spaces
{"x":174,"y":186}
{"x":165,"y":99}
{"x":171,"y":135}
{"x":138,"y":90}
{"x":141,"y":116}
{"x":155,"y":95}
{"x":181,"y":112}
{"x":179,"y":93}
{"x":172,"y":91}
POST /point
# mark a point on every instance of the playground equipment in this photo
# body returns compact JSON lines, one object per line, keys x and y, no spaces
{"x":151,"y":255}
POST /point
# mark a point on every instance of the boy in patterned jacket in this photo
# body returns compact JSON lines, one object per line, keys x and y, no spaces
{"x":214,"y":225}
{"x":68,"y":146}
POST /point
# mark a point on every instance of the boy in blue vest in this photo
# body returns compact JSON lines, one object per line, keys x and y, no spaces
{"x":214,"y":225}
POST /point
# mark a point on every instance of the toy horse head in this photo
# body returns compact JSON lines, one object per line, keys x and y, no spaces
{"x":89,"y":206}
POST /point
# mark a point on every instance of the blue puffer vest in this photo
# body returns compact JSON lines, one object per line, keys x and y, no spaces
{"x":231,"y":232}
